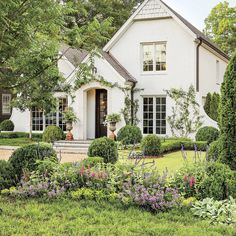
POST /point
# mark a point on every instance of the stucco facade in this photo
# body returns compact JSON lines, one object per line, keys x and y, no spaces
{"x":189,"y":61}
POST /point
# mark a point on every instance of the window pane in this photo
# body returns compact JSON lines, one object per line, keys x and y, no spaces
{"x":148,"y":57}
{"x":6,"y":103}
{"x":148,"y":116}
{"x":160,"y":57}
{"x":63,"y":105}
{"x":37,"y":119}
{"x":160,"y":115}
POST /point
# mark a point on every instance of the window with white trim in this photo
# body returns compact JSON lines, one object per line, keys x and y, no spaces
{"x":6,"y":104}
{"x":40,"y":120}
{"x":154,"y":56}
{"x":154,"y":115}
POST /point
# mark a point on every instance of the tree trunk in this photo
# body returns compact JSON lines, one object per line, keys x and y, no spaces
{"x":30,"y":132}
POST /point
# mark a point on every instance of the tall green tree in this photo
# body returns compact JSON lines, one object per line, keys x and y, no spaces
{"x":109,"y":14}
{"x":220,"y":26}
{"x":214,"y":106}
{"x":207,"y":105}
{"x":228,"y":115}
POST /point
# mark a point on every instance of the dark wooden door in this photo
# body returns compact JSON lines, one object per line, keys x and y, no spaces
{"x":101,"y":112}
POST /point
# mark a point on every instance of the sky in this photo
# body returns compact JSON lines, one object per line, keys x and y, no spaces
{"x":195,"y":11}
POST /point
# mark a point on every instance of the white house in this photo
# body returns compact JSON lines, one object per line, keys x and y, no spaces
{"x":155,"y":50}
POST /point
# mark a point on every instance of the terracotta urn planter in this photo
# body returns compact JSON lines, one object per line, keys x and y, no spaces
{"x":69,"y":135}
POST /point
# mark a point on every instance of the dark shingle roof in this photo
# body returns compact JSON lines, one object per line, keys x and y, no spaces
{"x":76,"y":56}
{"x":198,"y":33}
{"x":118,"y":67}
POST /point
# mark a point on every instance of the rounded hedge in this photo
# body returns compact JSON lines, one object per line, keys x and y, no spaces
{"x":7,"y":125}
{"x":208,"y":134}
{"x":151,"y":145}
{"x":92,"y":161}
{"x":214,"y":150}
{"x":25,"y":158}
{"x":6,"y":175}
{"x":52,"y":133}
{"x":129,"y":134}
{"x":104,"y":147}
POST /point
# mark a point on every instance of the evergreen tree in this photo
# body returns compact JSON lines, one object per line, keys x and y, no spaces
{"x":228,"y":115}
{"x":207,"y":104}
{"x":214,"y":106}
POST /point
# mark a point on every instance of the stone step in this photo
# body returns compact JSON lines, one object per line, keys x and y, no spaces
{"x":75,"y":146}
{"x":72,"y":150}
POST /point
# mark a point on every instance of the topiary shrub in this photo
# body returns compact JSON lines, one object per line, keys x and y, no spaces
{"x":92,"y":161}
{"x":151,"y":145}
{"x":7,"y":125}
{"x":25,"y":158}
{"x":129,"y":134}
{"x":6,"y":175}
{"x":208,"y":134}
{"x":52,"y":133}
{"x":104,"y":147}
{"x":214,"y":150}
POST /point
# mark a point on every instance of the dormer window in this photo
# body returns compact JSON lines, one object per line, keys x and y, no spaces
{"x":154,"y":56}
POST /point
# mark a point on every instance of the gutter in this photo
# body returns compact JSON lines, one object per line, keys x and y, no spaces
{"x":197,"y":63}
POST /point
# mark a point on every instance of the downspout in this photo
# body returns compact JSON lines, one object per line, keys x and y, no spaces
{"x":197,"y":63}
{"x":132,"y":102}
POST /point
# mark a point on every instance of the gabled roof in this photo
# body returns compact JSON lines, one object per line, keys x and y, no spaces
{"x":199,"y":34}
{"x":76,"y":56}
{"x":158,"y":9}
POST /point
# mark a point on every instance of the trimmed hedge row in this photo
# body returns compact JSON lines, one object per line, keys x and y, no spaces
{"x":20,"y":135}
{"x":177,"y":144}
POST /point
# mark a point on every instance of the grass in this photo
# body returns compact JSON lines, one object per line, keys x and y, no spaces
{"x":15,"y":141}
{"x":69,"y":217}
{"x":171,"y":161}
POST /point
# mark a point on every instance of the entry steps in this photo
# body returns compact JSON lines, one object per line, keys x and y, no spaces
{"x":75,"y":146}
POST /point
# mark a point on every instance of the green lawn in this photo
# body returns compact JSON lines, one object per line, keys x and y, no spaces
{"x":68,"y":217}
{"x":171,"y":161}
{"x":15,"y":141}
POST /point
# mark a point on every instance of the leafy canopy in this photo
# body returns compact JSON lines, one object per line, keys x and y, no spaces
{"x":220,"y":26}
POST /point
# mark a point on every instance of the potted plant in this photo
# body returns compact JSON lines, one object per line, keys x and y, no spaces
{"x":69,"y":118}
{"x":112,"y":119}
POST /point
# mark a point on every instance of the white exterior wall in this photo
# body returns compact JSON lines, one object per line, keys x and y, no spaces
{"x":181,"y":59}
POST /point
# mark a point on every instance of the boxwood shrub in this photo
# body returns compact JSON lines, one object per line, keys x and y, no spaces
{"x":25,"y":158}
{"x":52,"y":133}
{"x":6,"y":175}
{"x":7,"y":125}
{"x":208,"y":134}
{"x":104,"y":147}
{"x":129,"y":134}
{"x":35,"y":136}
{"x":151,"y":145}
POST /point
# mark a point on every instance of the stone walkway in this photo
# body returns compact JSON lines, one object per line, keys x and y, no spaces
{"x":5,"y":153}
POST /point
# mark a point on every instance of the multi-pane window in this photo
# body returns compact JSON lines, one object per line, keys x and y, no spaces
{"x":148,"y":115}
{"x":154,"y":56}
{"x":160,"y":115}
{"x":154,"y":115}
{"x":6,"y":104}
{"x":40,"y":120}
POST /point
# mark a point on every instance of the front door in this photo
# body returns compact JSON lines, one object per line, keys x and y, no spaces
{"x":101,"y":112}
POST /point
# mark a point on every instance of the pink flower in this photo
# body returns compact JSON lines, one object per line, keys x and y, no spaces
{"x":192,"y":181}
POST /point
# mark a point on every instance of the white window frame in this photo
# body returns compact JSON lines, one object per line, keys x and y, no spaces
{"x":154,"y":97}
{"x":154,"y":71}
{"x":57,"y":116}
{"x":6,"y":104}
